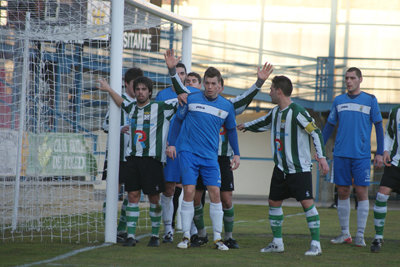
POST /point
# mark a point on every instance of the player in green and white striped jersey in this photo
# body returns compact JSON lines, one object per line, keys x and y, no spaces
{"x":291,"y":127}
{"x":149,"y":124}
{"x":225,"y":152}
{"x":391,"y":176}
{"x":129,"y":77}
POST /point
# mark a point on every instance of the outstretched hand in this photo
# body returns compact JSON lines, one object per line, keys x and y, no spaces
{"x":104,"y":86}
{"x":241,"y":127}
{"x":170,"y":59}
{"x":265,"y":71}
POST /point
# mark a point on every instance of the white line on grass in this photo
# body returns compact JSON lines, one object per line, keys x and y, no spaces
{"x":74,"y":252}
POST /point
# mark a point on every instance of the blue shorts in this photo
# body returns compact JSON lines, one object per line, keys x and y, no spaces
{"x":172,"y":172}
{"x":192,"y":166}
{"x":347,"y":168}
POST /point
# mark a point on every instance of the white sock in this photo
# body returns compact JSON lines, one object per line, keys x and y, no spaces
{"x":343,"y":210}
{"x":193,"y":229}
{"x":316,"y":243}
{"x":167,"y":212}
{"x":362,"y":216}
{"x":187,"y":213}
{"x":216,"y":215}
{"x":278,"y":241}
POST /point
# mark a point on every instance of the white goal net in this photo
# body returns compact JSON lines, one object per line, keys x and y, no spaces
{"x":52,"y":53}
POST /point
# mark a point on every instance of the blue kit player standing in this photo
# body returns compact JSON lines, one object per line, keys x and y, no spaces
{"x":171,"y":170}
{"x":195,"y":133}
{"x":355,"y":112}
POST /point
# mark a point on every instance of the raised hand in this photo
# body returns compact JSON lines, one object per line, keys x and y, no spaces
{"x":265,"y":71}
{"x":104,"y":86}
{"x":170,"y":59}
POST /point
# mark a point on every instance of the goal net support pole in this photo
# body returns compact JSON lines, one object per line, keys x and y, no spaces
{"x":117,"y":31}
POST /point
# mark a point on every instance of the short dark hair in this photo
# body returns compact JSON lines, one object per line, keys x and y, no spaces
{"x":132,"y":74}
{"x":212,"y":72}
{"x":283,"y":83}
{"x":195,"y":74}
{"x":146,"y":81}
{"x":356,"y":70}
{"x":181,"y":65}
{"x":222,"y":82}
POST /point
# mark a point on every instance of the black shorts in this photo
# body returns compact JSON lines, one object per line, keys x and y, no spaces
{"x":226,"y":175}
{"x":391,"y":178}
{"x":122,"y":172}
{"x":297,"y":185}
{"x":145,"y":173}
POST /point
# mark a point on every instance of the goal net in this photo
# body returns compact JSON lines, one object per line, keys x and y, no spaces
{"x":52,"y":53}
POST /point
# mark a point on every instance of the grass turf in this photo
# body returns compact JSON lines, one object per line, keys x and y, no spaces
{"x":252,"y":233}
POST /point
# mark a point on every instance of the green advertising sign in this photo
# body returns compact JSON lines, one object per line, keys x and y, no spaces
{"x":59,"y":154}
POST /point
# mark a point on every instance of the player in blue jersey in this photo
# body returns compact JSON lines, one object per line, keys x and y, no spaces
{"x":195,"y":133}
{"x":354,"y":112}
{"x":171,"y":170}
{"x":240,"y":103}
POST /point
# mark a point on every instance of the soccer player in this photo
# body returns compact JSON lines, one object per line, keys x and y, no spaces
{"x":201,"y":120}
{"x":171,"y":170}
{"x":149,"y":123}
{"x":391,"y":176}
{"x":355,"y":112}
{"x":240,"y":103}
{"x":291,"y":126}
{"x":193,"y":79}
{"x":129,"y":95}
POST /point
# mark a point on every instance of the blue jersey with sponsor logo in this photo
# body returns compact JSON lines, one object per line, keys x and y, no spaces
{"x":355,"y":117}
{"x":202,"y":121}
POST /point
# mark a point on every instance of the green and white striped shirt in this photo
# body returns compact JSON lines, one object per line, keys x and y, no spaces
{"x":124,"y":138}
{"x":392,"y":136}
{"x":149,"y":128}
{"x":240,"y":103}
{"x":290,"y":137}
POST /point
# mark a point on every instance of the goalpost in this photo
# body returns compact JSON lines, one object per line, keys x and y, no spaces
{"x":52,"y":53}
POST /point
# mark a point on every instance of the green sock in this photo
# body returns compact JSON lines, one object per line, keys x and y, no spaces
{"x":380,"y":211}
{"x":276,"y":220}
{"x":229,"y":217}
{"x":122,"y":217}
{"x":313,"y":222}
{"x":155,"y":217}
{"x":132,"y":216}
{"x":198,"y":219}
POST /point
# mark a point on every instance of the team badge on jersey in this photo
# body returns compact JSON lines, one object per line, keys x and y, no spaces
{"x":140,"y":136}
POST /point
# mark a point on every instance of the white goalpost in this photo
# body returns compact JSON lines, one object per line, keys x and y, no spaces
{"x":53,"y":147}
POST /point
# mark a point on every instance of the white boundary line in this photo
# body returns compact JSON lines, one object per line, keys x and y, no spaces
{"x":72,"y":253}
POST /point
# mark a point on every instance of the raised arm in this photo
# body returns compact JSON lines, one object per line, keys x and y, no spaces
{"x":241,"y":101}
{"x":261,"y":124}
{"x":105,"y":87}
{"x":171,"y":60}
